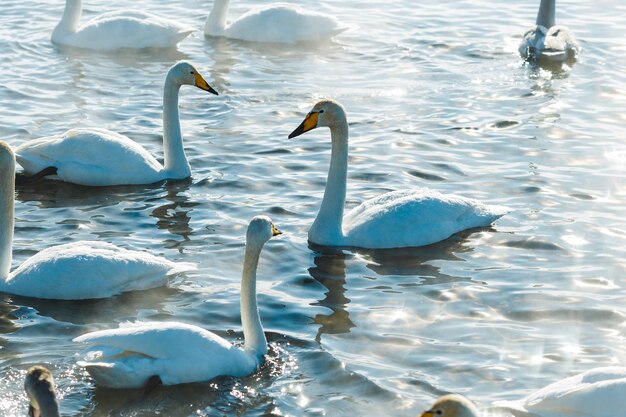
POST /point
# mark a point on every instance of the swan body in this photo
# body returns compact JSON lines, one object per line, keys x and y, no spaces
{"x":73,"y":271}
{"x":114,"y":30}
{"x":277,"y":22}
{"x":598,"y":392}
{"x":546,"y":40}
{"x":178,"y":353}
{"x":451,"y":405}
{"x":396,"y":219}
{"x":99,"y":157}
{"x":39,"y":386}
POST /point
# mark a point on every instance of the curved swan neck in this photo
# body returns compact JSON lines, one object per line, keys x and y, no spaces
{"x":7,"y":220}
{"x":216,"y":22}
{"x":250,"y":320}
{"x":546,"y":15}
{"x":327,"y":227}
{"x":71,"y":18}
{"x":173,"y":151}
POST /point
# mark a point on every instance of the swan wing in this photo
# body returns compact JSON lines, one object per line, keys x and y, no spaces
{"x":95,"y":157}
{"x":86,"y":269}
{"x":596,"y":393}
{"x":415,"y":218}
{"x":176,"y":352}
{"x":283,"y":23}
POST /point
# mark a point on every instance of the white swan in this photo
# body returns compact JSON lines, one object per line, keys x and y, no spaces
{"x":125,"y":29}
{"x":451,"y":405}
{"x":179,"y":353}
{"x":99,"y":157}
{"x":599,"y":392}
{"x":73,"y":271}
{"x":396,"y":219}
{"x":277,"y":22}
{"x":39,"y":386}
{"x":547,"y":40}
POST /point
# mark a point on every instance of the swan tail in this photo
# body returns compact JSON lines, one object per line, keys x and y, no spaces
{"x":25,"y":179}
{"x":180,"y":267}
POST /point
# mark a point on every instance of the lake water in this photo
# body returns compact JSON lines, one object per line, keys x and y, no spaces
{"x":436,"y":96}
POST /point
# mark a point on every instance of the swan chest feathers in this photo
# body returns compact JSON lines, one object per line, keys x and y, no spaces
{"x":176,"y":352}
{"x":414,"y":218}
{"x":86,"y":269}
{"x":557,"y":43}
{"x":95,"y":157}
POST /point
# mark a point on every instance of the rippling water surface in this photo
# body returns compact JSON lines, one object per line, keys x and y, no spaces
{"x":437,"y":97}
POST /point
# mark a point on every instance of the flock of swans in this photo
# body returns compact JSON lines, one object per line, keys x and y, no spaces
{"x":173,"y":352}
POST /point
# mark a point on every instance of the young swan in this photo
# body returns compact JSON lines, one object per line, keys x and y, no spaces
{"x":177,"y":353}
{"x":73,"y":271}
{"x":452,"y":405}
{"x":99,"y":157}
{"x":39,"y":386}
{"x":548,"y":41}
{"x":396,"y":219}
{"x":113,"y":30}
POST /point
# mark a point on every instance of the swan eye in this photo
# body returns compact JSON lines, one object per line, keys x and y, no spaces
{"x":439,"y":412}
{"x":321,"y":111}
{"x":192,"y":73}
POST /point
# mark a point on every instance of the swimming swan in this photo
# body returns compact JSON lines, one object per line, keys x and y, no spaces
{"x":547,"y":40}
{"x":178,"y":353}
{"x":73,"y":271}
{"x":39,"y":386}
{"x":124,"y":29}
{"x":396,"y":219}
{"x":451,"y":405}
{"x":277,"y":22}
{"x":99,"y":157}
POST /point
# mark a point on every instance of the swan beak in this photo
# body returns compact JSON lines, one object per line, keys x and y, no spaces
{"x":275,"y":231}
{"x":428,"y":413}
{"x":309,"y":123}
{"x":203,"y":85}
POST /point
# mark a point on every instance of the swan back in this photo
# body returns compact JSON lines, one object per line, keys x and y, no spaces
{"x":452,"y":405}
{"x":39,"y":386}
{"x":7,"y":197}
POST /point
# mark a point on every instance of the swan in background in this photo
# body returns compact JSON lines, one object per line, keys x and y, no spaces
{"x":99,"y":157}
{"x":125,"y":29}
{"x":42,"y":395}
{"x":396,"y":219}
{"x":451,"y":405}
{"x":277,"y":22}
{"x":598,"y":392}
{"x":73,"y":271}
{"x":176,"y":353}
{"x":547,"y":40}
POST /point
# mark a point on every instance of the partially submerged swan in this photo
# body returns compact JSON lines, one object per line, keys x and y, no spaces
{"x":396,"y":219}
{"x":39,"y":386}
{"x":451,"y":405}
{"x":73,"y":271}
{"x":547,"y":40}
{"x":123,"y":29}
{"x":176,"y":353}
{"x":276,"y":22}
{"x":99,"y":157}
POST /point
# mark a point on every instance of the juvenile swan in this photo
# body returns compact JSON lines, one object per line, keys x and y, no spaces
{"x":392,"y":220}
{"x":282,"y":23}
{"x":179,"y":353}
{"x":451,"y":405}
{"x":73,"y":271}
{"x":124,"y":29}
{"x":42,"y":394}
{"x":547,"y":40}
{"x":99,"y":157}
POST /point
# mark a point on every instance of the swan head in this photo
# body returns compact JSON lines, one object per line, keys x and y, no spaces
{"x":260,"y":230}
{"x":327,"y":113}
{"x":7,"y":159}
{"x":39,"y":386}
{"x":452,"y":405}
{"x":183,"y":73}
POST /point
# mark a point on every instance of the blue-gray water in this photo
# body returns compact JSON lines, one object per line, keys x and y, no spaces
{"x":436,"y":96}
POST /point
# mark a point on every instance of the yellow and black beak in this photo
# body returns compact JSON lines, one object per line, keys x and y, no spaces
{"x":429,"y":413}
{"x":202,"y":84}
{"x":309,"y":123}
{"x":275,"y":231}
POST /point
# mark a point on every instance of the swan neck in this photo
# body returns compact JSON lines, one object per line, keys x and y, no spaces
{"x":546,"y":15}
{"x":71,"y":18}
{"x":216,"y":22}
{"x":48,"y":405}
{"x":327,"y":227}
{"x":254,"y":337}
{"x":7,"y":216}
{"x":176,"y":163}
